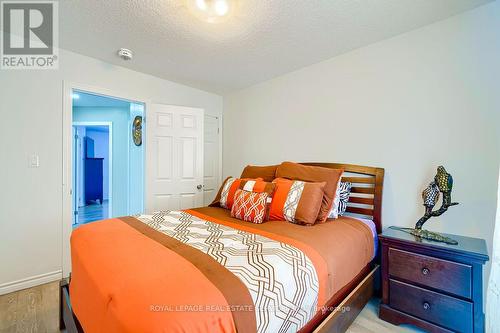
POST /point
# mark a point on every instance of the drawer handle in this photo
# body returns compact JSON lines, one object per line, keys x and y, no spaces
{"x":427,"y":306}
{"x":425,"y":271}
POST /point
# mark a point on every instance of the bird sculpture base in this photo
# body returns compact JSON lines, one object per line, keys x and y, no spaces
{"x":428,"y":235}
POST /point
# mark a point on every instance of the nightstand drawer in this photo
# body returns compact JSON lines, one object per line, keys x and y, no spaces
{"x":448,"y":276}
{"x":442,"y":310}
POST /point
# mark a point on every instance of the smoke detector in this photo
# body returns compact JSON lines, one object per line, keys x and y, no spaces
{"x":125,"y":54}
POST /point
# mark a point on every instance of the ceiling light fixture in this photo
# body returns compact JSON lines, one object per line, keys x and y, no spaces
{"x":211,"y":11}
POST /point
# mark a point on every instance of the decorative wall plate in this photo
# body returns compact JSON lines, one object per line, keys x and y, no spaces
{"x":137,"y":130}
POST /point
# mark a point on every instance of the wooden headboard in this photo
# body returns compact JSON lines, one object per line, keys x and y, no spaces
{"x":366,"y":192}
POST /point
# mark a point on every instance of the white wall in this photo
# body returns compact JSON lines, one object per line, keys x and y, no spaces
{"x":408,"y":104}
{"x":119,"y":119}
{"x":31,"y":199}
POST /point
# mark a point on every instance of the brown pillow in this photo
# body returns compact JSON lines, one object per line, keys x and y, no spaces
{"x":307,"y":173}
{"x":296,"y":201}
{"x":267,"y":173}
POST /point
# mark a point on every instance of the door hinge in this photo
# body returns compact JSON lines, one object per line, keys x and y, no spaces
{"x":218,"y":130}
{"x":75,"y":212}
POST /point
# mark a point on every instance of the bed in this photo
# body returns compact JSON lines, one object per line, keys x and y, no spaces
{"x":225,"y":274}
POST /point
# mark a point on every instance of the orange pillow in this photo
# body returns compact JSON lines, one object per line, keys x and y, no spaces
{"x":252,"y":206}
{"x":296,"y":201}
{"x":225,"y":196}
{"x":267,"y":173}
{"x":307,"y":173}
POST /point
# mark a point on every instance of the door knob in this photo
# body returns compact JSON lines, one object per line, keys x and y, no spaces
{"x":199,"y":187}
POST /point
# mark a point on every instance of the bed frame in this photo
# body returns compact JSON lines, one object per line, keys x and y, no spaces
{"x":365,"y":200}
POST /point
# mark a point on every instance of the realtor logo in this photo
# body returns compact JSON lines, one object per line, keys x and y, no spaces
{"x":29,"y":35}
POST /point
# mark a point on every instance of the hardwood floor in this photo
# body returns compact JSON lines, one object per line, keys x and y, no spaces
{"x":33,"y":310}
{"x":36,"y":310}
{"x":93,"y":212}
{"x":368,"y":322}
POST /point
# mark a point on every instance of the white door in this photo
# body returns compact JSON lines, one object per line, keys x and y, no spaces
{"x":211,"y":169}
{"x":174,"y":157}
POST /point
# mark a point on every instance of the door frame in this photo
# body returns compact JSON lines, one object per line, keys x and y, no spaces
{"x":67,"y":154}
{"x":109,"y":124}
{"x":218,"y":119}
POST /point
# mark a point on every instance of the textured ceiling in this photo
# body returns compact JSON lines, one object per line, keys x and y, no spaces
{"x":263,"y":39}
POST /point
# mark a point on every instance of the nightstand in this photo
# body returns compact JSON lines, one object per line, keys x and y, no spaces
{"x":435,"y":286}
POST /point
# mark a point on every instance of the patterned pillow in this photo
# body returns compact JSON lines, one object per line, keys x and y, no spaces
{"x":296,"y":201}
{"x":345,"y":193}
{"x":251,"y":206}
{"x":228,"y":191}
{"x":340,"y":204}
{"x":225,"y":196}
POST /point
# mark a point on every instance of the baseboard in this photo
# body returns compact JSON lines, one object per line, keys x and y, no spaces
{"x":30,"y":282}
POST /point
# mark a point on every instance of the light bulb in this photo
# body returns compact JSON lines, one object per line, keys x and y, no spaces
{"x":201,"y":4}
{"x":211,"y":11}
{"x":221,"y":7}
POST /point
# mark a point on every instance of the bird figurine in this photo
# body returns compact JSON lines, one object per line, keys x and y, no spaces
{"x":443,"y":180}
{"x":443,"y":183}
{"x":431,"y":195}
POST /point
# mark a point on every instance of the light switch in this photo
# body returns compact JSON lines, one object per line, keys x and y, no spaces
{"x":34,"y":161}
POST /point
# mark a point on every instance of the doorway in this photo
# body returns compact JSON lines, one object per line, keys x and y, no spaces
{"x":142,"y":162}
{"x":108,"y":164}
{"x":92,"y":172}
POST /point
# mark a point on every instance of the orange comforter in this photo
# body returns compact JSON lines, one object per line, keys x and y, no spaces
{"x":128,"y":277}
